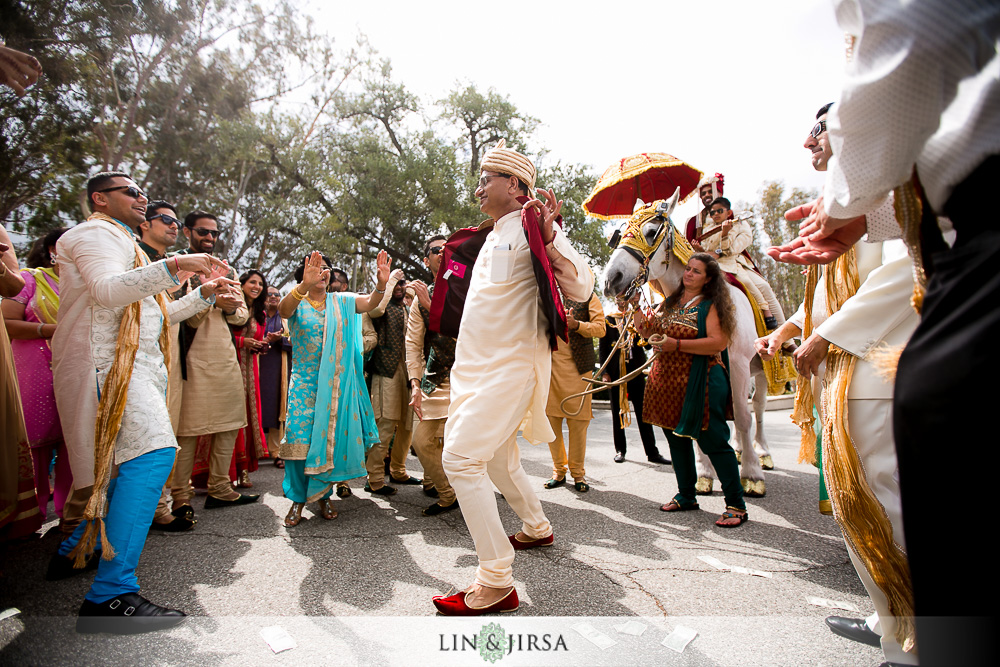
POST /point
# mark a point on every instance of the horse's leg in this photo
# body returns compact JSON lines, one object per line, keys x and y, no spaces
{"x":759,"y":407}
{"x":706,"y":472}
{"x":751,"y":474}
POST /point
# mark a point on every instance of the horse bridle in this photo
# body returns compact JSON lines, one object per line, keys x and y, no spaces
{"x":634,"y":241}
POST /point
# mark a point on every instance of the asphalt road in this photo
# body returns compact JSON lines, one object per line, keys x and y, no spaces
{"x":357,"y":590}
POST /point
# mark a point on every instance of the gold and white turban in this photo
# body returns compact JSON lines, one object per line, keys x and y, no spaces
{"x":506,"y":161}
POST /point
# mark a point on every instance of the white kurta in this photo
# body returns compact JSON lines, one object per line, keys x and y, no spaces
{"x":96,"y":283}
{"x":879,"y":313}
{"x":503,"y":344}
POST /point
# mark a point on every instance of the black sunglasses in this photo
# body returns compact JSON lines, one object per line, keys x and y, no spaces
{"x":168,"y":220}
{"x":201,"y":231}
{"x":130,"y":190}
{"x":716,"y":211}
{"x":818,"y":129}
{"x":437,"y":250}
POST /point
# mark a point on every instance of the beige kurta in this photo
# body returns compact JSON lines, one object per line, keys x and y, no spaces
{"x":566,"y":378}
{"x":212,"y":397}
{"x":96,"y":282}
{"x":503,"y":346}
{"x":433,"y":405}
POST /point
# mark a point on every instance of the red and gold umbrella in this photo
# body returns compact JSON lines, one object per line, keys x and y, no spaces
{"x":646,"y":176}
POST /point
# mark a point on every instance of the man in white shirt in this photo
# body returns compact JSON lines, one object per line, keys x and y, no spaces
{"x":923,"y":96}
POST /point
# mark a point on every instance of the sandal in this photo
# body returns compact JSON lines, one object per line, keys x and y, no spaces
{"x":243,"y":480}
{"x":553,"y":483}
{"x":581,"y":486}
{"x":730,"y":515}
{"x":294,"y":515}
{"x":326,"y":509}
{"x":674,"y":506}
{"x":279,"y":463}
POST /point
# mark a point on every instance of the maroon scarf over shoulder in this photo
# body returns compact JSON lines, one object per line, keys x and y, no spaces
{"x":460,"y":253}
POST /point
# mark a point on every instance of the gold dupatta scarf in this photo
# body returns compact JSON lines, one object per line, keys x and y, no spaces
{"x":857,"y":510}
{"x":111,"y":407}
{"x":841,"y":283}
{"x":46,"y":300}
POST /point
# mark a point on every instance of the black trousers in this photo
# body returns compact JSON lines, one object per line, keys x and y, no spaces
{"x":946,"y":403}
{"x":636,"y":392}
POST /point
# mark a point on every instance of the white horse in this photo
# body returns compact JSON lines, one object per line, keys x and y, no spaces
{"x":627,"y":267}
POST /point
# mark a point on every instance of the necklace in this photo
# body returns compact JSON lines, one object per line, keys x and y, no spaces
{"x":318,"y":305}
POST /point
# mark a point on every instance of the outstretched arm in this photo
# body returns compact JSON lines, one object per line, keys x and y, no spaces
{"x":364,"y":304}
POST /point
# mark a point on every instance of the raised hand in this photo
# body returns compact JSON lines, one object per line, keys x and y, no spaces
{"x":18,"y":70}
{"x":547,"y":211}
{"x":315,"y":272}
{"x":384,"y":264}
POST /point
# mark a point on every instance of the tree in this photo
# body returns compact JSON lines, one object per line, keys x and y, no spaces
{"x":786,"y":280}
{"x":485,"y":120}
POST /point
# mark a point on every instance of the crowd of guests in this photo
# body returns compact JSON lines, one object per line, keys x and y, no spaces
{"x":510,"y":329}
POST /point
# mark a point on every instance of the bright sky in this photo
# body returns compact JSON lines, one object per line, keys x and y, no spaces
{"x":729,"y":86}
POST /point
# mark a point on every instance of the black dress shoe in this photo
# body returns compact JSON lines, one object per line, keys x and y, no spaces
{"x":381,"y":491}
{"x":430,"y":492}
{"x":659,"y":459}
{"x":211,"y":502}
{"x":409,"y":480}
{"x":854,"y":629}
{"x":61,"y":567}
{"x":127,"y":614}
{"x":178,"y":525}
{"x":185,"y":512}
{"x":437,"y":508}
{"x":619,"y":457}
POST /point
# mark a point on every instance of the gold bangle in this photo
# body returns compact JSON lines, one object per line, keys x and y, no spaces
{"x":295,"y":294}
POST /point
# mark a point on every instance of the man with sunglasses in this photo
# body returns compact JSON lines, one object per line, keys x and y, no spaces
{"x":110,"y":382}
{"x":213,"y":403}
{"x":429,"y":357}
{"x":857,"y":320}
{"x":158,"y":232}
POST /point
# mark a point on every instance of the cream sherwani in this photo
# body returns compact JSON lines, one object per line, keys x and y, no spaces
{"x":96,"y":282}
{"x":499,"y":383}
{"x":879,"y":313}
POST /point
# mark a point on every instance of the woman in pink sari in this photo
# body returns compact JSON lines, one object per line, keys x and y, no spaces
{"x":251,"y":444}
{"x":30,"y":318}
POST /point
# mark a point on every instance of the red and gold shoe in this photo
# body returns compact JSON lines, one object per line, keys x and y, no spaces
{"x":455,"y":605}
{"x":520,"y":545}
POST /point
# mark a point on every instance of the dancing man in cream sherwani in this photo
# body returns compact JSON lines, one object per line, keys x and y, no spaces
{"x":500,"y":379}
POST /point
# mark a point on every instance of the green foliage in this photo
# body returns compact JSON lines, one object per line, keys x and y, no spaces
{"x":201,"y":101}
{"x":786,"y":280}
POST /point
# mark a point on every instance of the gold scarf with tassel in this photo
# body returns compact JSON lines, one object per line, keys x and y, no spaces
{"x":111,"y":407}
{"x":841,"y":282}
{"x":862,"y":518}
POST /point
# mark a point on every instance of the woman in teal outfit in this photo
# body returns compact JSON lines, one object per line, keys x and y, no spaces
{"x":330,"y":421}
{"x":688,"y":392}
